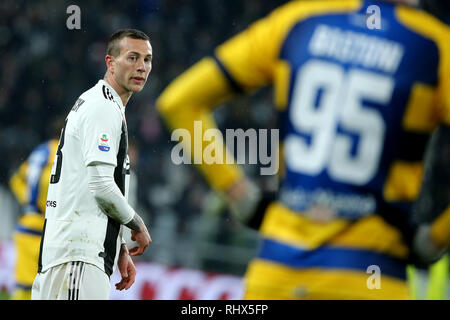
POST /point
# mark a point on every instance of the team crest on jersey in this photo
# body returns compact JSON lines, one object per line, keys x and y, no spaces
{"x":103,"y":143}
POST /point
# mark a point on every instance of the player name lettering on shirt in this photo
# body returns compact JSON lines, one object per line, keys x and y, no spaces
{"x":357,"y":48}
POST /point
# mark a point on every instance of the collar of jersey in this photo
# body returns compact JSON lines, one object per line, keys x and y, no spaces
{"x":114,"y":93}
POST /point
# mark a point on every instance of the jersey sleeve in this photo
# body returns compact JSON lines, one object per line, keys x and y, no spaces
{"x":100,"y":129}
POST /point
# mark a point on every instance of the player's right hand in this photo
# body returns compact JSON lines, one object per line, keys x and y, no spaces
{"x":143,"y":239}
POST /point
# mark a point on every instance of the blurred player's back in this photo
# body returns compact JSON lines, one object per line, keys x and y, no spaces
{"x":357,"y":102}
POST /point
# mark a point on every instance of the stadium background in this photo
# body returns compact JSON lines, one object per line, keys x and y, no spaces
{"x":44,"y":67}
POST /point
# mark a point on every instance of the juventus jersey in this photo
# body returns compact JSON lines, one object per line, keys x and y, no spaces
{"x":75,"y":227}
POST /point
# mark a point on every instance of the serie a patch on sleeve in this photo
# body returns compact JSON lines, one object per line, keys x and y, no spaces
{"x":103,"y":143}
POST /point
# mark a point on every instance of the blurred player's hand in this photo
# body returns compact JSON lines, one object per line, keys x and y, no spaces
{"x":143,"y":239}
{"x":425,"y":251}
{"x":126,"y":268}
{"x":243,"y":198}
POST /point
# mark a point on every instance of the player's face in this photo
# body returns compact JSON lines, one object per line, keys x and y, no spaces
{"x":133,"y":65}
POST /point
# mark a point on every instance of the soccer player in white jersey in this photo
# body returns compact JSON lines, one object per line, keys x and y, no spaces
{"x":87,"y":203}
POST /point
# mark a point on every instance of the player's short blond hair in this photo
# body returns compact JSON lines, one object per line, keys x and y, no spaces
{"x":113,"y":48}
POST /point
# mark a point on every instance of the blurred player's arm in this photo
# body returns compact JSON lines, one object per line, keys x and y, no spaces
{"x":440,"y":228}
{"x":242,"y":64}
{"x":18,"y":184}
{"x":33,"y":176}
{"x":192,"y":97}
{"x":432,"y":240}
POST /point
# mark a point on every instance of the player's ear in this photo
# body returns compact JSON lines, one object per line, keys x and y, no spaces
{"x":110,"y":62}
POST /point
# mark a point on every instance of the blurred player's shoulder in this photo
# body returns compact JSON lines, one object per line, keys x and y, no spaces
{"x":99,"y":98}
{"x":313,"y":6}
{"x":437,"y":32}
{"x":284,"y":17}
{"x":412,"y":17}
{"x":263,"y":40}
{"x":424,"y":23}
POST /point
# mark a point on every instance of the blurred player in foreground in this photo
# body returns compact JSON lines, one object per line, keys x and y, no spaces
{"x":30,"y":185}
{"x":357,"y":102}
{"x":432,"y":282}
{"x":87,"y":203}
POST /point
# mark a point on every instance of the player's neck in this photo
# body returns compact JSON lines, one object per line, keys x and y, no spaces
{"x":124,"y":95}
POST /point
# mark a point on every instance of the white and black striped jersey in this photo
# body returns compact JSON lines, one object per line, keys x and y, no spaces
{"x":75,"y":227}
